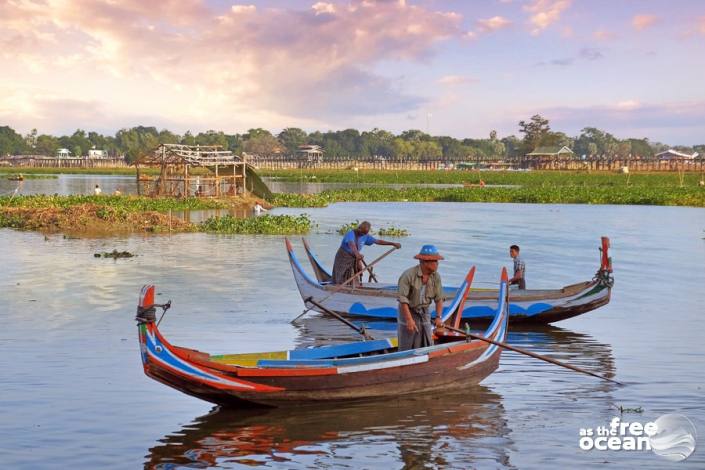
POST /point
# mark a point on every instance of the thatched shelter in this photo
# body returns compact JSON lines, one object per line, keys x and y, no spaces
{"x":226,"y":175}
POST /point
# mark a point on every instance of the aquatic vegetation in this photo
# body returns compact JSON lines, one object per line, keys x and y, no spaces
{"x":30,"y":176}
{"x":299,"y":200}
{"x":637,"y":195}
{"x":124,"y":203}
{"x":91,"y":218}
{"x":520,"y":178}
{"x":345,"y":228}
{"x":266,"y":225}
{"x":114,"y":254}
{"x":393,"y":232}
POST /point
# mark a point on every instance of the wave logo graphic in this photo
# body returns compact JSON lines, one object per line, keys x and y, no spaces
{"x":674,"y":438}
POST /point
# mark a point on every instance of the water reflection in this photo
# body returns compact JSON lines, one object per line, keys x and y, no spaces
{"x":559,"y":343}
{"x":455,"y":431}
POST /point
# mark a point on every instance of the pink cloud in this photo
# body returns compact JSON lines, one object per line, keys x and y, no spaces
{"x":453,"y":80}
{"x":641,"y":22}
{"x":603,"y":35}
{"x":492,"y":24}
{"x":543,"y":13}
{"x":270,"y":63}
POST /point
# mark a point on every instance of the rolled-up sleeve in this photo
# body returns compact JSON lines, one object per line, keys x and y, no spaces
{"x":438,"y":294}
{"x":404,"y":290}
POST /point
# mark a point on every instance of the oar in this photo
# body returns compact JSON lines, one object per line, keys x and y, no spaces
{"x":335,"y":315}
{"x":337,"y":289}
{"x":529,"y":353}
{"x":372,"y":275}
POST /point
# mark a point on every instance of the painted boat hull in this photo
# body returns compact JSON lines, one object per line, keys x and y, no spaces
{"x":301,"y":376}
{"x":378,"y":301}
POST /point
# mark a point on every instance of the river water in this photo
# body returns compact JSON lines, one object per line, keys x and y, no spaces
{"x":74,"y":394}
{"x":85,"y":184}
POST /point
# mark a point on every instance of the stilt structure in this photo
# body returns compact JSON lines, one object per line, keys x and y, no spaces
{"x":226,"y":173}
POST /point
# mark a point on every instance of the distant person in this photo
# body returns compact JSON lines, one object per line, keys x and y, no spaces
{"x":418,"y":287}
{"x":482,"y":183}
{"x":97,"y":191}
{"x":348,"y":259}
{"x":258,"y":209}
{"x":117,"y":192}
{"x":519,"y":277}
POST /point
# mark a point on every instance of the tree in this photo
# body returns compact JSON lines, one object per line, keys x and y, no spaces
{"x":512,"y":146}
{"x":47,"y":145}
{"x":137,"y":141}
{"x":31,"y":139}
{"x":261,"y":142}
{"x":591,"y":149}
{"x":211,"y":138}
{"x":291,"y":138}
{"x":534,"y":132}
{"x":11,"y":143}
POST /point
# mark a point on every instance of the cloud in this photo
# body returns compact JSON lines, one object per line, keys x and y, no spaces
{"x":543,"y":13}
{"x":641,"y":22}
{"x":604,"y":35}
{"x":457,"y":80}
{"x":492,"y":24}
{"x":266,"y":66}
{"x":585,"y":54}
{"x":630,"y":118}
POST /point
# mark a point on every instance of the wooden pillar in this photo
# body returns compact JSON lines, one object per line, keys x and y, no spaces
{"x":217,"y":182}
{"x":186,"y":185}
{"x":244,"y":175}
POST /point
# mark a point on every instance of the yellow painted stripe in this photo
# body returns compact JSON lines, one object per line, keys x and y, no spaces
{"x":249,"y":359}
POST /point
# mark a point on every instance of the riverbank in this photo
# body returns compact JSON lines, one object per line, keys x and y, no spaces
{"x":635,"y":195}
{"x":108,"y":215}
{"x":521,"y":178}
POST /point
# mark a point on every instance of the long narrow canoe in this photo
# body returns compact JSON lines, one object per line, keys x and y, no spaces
{"x":350,"y":371}
{"x":372,"y":300}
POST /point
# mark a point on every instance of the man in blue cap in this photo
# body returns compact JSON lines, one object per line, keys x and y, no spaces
{"x":418,"y":286}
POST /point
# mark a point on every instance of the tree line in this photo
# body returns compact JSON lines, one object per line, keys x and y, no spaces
{"x":349,"y":143}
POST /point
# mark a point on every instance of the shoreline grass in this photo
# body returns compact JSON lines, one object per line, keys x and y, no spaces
{"x":520,"y":178}
{"x":626,"y":195}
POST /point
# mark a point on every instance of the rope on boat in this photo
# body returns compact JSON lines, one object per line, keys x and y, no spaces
{"x":605,"y":278}
{"x":148,"y":314}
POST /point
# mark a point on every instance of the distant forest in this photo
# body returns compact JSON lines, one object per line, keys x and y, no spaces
{"x":348,"y":143}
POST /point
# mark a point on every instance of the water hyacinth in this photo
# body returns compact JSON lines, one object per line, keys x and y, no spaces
{"x":638,"y":195}
{"x":266,"y":225}
{"x":124,"y":203}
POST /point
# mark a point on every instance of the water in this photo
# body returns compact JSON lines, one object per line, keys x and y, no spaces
{"x":85,"y":184}
{"x":74,"y":394}
{"x":69,"y":184}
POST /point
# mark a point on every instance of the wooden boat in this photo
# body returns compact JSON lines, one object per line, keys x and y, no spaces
{"x":349,"y":371}
{"x":372,"y":300}
{"x":16,"y":177}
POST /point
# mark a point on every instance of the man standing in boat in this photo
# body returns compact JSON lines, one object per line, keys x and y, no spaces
{"x":418,"y":286}
{"x":519,"y":268}
{"x":348,"y":259}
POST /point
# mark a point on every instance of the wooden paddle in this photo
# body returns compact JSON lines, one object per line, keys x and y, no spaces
{"x":529,"y":353}
{"x":338,"y":317}
{"x":372,"y":276}
{"x":337,"y":289}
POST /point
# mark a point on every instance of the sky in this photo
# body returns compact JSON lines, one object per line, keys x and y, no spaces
{"x":635,"y":68}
